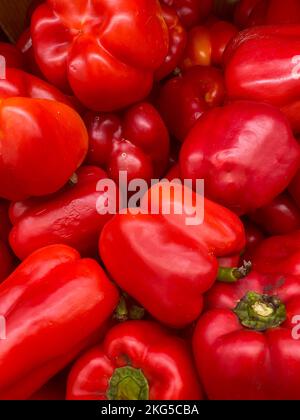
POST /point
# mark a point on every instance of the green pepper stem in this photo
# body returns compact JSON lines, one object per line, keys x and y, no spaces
{"x":128,"y":383}
{"x":260,"y":312}
{"x":232,"y":275}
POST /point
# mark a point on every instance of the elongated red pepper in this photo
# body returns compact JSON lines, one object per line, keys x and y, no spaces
{"x":279,"y":254}
{"x":232,"y":149}
{"x":254,"y":72}
{"x":136,"y":142}
{"x":162,"y":262}
{"x":72,"y":216}
{"x":183,"y":99}
{"x":53,"y":305}
{"x":247,"y":344}
{"x":279,"y":217}
{"x":138,"y":360}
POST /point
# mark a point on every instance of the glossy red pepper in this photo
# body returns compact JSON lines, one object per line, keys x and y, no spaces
{"x":19,"y":83}
{"x":137,"y":251}
{"x":6,"y":261}
{"x":93,"y":48}
{"x":183,"y":99}
{"x":11,"y":55}
{"x":279,"y":217}
{"x":279,"y":254}
{"x":42,"y":144}
{"x":206,"y":44}
{"x":266,"y":12}
{"x":177,"y":43}
{"x":247,"y":345}
{"x":254,"y":72}
{"x":191,"y":12}
{"x":232,"y":149}
{"x":53,"y":306}
{"x":136,"y":142}
{"x":138,"y":360}
{"x":73,"y":216}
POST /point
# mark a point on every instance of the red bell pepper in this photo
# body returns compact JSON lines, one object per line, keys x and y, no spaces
{"x":183,"y":99}
{"x":72,"y":216}
{"x":279,"y":254}
{"x":191,"y":12}
{"x":232,"y":149}
{"x":24,"y":45}
{"x":279,"y":217}
{"x":267,"y":12}
{"x":136,"y":142}
{"x":53,"y":304}
{"x":245,"y":346}
{"x":138,"y":360}
{"x":206,"y":44}
{"x":105,"y":52}
{"x":42,"y":144}
{"x":11,"y":55}
{"x":254,"y":72}
{"x":19,"y":83}
{"x":177,"y":43}
{"x":164,"y":264}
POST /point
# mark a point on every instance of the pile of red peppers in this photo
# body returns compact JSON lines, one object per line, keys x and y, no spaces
{"x":138,"y":304}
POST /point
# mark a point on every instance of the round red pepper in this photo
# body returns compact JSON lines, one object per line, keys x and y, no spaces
{"x":11,"y":55}
{"x":42,"y":144}
{"x":137,"y":251}
{"x":279,"y":254}
{"x":254,"y":72}
{"x":183,"y":99}
{"x":54,"y":304}
{"x":278,"y":217}
{"x":72,"y":216}
{"x":244,"y":346}
{"x":206,"y":44}
{"x":136,"y":142}
{"x":177,"y":43}
{"x":105,"y":52}
{"x":232,"y":149}
{"x":191,"y":12}
{"x":138,"y":360}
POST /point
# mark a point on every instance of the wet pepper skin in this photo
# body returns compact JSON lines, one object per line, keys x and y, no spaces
{"x":235,"y":149}
{"x":136,"y":142}
{"x":235,"y":362}
{"x":105,"y":51}
{"x":165,"y":264}
{"x":42,"y":144}
{"x":54,"y":303}
{"x":71,"y":216}
{"x":254,"y":72}
{"x":165,"y":362}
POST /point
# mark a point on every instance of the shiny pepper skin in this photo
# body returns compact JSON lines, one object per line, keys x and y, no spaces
{"x":254,"y":72}
{"x":72,"y":216}
{"x":232,"y":149}
{"x":105,"y":52}
{"x":136,"y":142}
{"x":49,"y":142}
